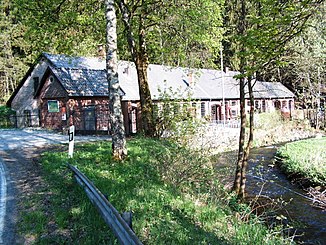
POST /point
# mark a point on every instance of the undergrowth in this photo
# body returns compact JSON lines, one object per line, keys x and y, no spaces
{"x":171,"y":190}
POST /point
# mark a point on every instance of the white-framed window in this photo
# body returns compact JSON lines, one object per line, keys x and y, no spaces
{"x":53,"y":106}
{"x":234,"y":113}
{"x":203,"y":109}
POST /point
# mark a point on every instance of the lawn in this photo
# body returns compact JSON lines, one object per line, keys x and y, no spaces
{"x":306,"y":158}
{"x":172,"y":191}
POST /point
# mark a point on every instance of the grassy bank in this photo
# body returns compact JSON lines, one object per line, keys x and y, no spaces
{"x":172,"y":191}
{"x":306,"y":158}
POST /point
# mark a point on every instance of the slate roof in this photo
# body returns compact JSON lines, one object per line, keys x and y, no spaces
{"x":82,"y":76}
{"x":82,"y":82}
{"x":69,"y":62}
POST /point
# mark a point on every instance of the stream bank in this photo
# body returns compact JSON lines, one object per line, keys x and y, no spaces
{"x":293,"y":208}
{"x":265,"y":178}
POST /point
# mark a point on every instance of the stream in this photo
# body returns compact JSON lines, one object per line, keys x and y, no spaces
{"x":266,"y":179}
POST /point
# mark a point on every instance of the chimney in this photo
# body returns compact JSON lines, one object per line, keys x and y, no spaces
{"x":100,"y":52}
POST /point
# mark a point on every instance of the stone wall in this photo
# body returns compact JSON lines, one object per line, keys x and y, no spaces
{"x":219,"y":139}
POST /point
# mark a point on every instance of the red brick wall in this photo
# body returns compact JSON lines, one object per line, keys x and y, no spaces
{"x":72,"y":112}
{"x":52,"y":120}
{"x":76,"y":112}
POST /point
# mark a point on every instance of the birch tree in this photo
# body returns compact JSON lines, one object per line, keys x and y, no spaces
{"x":119,"y":150}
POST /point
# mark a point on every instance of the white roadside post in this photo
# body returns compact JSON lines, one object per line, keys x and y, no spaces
{"x":71,"y":134}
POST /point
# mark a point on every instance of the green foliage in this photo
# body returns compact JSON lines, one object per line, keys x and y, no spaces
{"x":306,"y":158}
{"x":174,"y":117}
{"x":304,"y":61}
{"x":267,"y":27}
{"x":5,"y":114}
{"x":12,"y":46}
{"x":69,"y":27}
{"x":188,"y":34}
{"x":165,"y":209}
{"x":268,"y":120}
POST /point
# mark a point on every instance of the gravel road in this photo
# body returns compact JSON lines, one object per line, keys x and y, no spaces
{"x":19,"y":173}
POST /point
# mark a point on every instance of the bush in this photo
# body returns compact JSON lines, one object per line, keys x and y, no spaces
{"x":5,"y":117}
{"x":175,"y":118}
{"x":268,"y":120}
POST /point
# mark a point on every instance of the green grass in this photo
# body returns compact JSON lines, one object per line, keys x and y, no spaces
{"x":306,"y":158}
{"x":172,"y":192}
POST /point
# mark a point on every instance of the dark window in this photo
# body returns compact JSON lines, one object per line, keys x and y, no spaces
{"x":256,"y":104}
{"x":263,"y":105}
{"x":155,"y":111}
{"x":90,"y":118}
{"x":36,"y":84}
{"x":202,"y":109}
{"x":176,"y":108}
{"x":194,"y":109}
{"x":233,"y":113}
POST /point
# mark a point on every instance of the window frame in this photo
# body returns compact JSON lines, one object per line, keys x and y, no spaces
{"x":53,"y":108}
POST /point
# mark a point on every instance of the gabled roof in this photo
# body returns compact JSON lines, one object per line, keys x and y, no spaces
{"x":271,"y":90}
{"x":70,"y":62}
{"x":81,"y":76}
{"x":82,"y":82}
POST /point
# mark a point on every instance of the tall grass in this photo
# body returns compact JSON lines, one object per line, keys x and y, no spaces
{"x":172,"y":192}
{"x":306,"y":158}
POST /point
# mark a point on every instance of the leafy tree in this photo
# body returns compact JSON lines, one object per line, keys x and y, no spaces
{"x":257,"y":37}
{"x":119,"y":149}
{"x":5,"y":117}
{"x":62,"y":26}
{"x":304,"y":66}
{"x":11,"y":49}
{"x":157,"y":26}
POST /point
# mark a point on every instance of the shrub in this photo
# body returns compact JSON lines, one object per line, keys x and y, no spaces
{"x":5,"y":117}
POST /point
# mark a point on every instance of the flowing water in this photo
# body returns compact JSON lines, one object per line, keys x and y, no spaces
{"x":266,"y":179}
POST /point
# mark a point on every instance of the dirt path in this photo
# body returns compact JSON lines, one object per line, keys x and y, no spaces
{"x":23,"y":178}
{"x":21,"y":175}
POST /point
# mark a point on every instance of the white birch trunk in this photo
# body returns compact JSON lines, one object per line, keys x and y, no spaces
{"x":119,"y":150}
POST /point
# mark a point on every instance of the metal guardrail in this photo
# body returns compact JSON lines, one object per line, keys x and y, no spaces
{"x":111,"y":216}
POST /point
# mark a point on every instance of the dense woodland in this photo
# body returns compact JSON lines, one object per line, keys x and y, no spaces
{"x":178,"y":33}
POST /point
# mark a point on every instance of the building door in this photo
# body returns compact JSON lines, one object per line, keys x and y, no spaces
{"x":277,"y":104}
{"x":216,"y":113}
{"x":89,"y":118}
{"x":27,"y":118}
{"x":133,"y":120}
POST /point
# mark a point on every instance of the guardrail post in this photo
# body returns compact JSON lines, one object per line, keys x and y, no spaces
{"x":127,"y":216}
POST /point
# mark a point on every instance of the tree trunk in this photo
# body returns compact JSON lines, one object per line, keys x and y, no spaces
{"x":242,"y":136}
{"x":241,"y":193}
{"x":244,"y":147}
{"x":243,"y":153}
{"x":145,"y":97}
{"x":119,"y":150}
{"x":140,"y":58}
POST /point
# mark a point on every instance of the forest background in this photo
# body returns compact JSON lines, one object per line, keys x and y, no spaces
{"x":178,"y":33}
